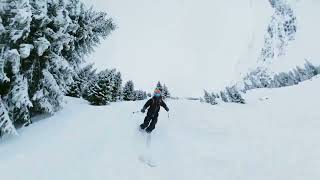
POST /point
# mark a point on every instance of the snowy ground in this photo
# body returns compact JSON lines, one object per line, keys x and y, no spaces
{"x":274,"y":137}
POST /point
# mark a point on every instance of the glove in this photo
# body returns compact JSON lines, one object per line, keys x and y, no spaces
{"x":143,"y":110}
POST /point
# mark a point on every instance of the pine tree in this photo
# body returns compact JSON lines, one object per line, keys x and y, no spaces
{"x":224,"y":96}
{"x":210,"y":98}
{"x":6,"y":125}
{"x":100,"y":90}
{"x":302,"y":74}
{"x":292,"y":77}
{"x":117,"y":87}
{"x":17,"y":20}
{"x":19,"y":102}
{"x":206,"y":97}
{"x":128,"y":91}
{"x":81,"y":80}
{"x":74,"y":89}
{"x":140,"y":95}
{"x":286,"y":80}
{"x":4,"y":80}
{"x":277,"y":81}
{"x":213,"y":98}
{"x":311,"y":70}
{"x":48,"y":97}
{"x":247,"y":87}
{"x":61,"y":71}
{"x":45,"y":43}
{"x":2,"y":29}
{"x":234,"y":95}
{"x":87,"y":28}
{"x":165,"y":92}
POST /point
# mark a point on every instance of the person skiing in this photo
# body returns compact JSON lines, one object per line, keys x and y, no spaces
{"x":153,"y":112}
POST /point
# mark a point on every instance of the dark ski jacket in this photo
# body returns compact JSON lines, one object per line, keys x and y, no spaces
{"x":154,"y":106}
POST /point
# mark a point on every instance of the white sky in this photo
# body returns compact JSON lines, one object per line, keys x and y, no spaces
{"x":190,"y":45}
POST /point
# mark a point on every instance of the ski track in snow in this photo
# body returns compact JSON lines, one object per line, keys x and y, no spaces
{"x":275,"y":136}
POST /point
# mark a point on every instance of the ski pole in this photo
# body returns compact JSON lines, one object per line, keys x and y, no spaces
{"x":168,"y":116}
{"x":133,"y":113}
{"x":136,"y":112}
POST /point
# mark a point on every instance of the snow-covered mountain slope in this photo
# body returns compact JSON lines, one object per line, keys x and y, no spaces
{"x":274,"y":136}
{"x":307,"y":38}
{"x":155,"y":39}
{"x":219,"y":39}
{"x":290,"y":37}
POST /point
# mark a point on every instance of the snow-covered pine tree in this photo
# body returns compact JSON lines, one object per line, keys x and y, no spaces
{"x":48,"y":40}
{"x":128,"y":91}
{"x":74,"y":89}
{"x":16,"y":16}
{"x":88,"y":26}
{"x":140,"y":95}
{"x":4,"y":80}
{"x":296,"y":75}
{"x":206,"y":97}
{"x":292,"y":78}
{"x":223,"y":96}
{"x":246,"y":86}
{"x":16,"y":95}
{"x":234,"y":95}
{"x":281,"y":30}
{"x":19,"y":102}
{"x":254,"y":81}
{"x":311,"y":70}
{"x":213,"y":98}
{"x":81,"y":80}
{"x":277,"y":81}
{"x":210,"y":98}
{"x":100,"y":90}
{"x":2,"y":29}
{"x":48,"y":96}
{"x":261,"y":79}
{"x":16,"y":20}
{"x":303,"y":75}
{"x":6,"y":125}
{"x":285,"y":79}
{"x":165,"y":92}
{"x":117,"y":87}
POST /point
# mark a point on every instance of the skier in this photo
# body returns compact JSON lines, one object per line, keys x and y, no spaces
{"x":153,"y":112}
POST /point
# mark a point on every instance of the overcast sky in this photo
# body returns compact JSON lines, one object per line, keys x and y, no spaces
{"x":190,"y":45}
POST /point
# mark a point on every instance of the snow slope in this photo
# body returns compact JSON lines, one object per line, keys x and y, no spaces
{"x":289,"y":40}
{"x":275,"y":136}
{"x":205,"y":37}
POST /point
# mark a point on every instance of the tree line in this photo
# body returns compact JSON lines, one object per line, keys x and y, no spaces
{"x":260,"y":78}
{"x":106,"y":86}
{"x":103,"y":87}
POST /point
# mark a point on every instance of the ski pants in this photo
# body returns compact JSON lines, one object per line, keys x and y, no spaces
{"x":150,"y":125}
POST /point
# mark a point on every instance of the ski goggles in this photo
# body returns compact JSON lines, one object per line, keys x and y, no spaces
{"x":157,"y":95}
